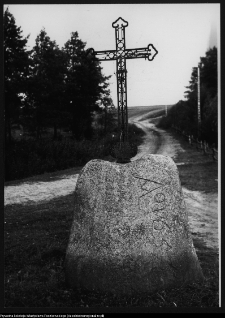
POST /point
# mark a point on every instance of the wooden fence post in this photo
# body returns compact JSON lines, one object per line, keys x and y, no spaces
{"x":201,"y":145}
{"x":214,"y":154}
{"x":204,"y":149}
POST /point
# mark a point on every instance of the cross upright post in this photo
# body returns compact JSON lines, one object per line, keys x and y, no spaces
{"x":121,"y":78}
{"x":120,"y":55}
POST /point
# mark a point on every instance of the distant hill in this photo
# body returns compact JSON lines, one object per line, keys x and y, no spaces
{"x":146,"y":110}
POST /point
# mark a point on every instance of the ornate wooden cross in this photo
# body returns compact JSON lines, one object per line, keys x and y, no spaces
{"x":120,"y":55}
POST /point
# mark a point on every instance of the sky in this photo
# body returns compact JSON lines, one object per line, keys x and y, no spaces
{"x":181,"y":33}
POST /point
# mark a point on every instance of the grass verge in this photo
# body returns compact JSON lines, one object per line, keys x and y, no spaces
{"x":199,"y":172}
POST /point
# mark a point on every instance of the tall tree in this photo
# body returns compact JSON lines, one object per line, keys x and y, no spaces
{"x":208,"y":82}
{"x":209,"y":78}
{"x":191,"y":92}
{"x":208,"y":97}
{"x":47,"y":83}
{"x":209,"y":74}
{"x":16,"y":70}
{"x":85,"y":85}
{"x":108,"y":120}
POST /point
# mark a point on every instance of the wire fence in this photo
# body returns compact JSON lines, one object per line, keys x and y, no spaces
{"x":198,"y":144}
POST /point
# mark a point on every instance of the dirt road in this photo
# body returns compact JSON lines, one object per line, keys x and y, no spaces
{"x":202,"y":207}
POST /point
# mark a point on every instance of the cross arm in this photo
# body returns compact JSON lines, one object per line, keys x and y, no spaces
{"x":148,"y":53}
{"x":102,"y":55}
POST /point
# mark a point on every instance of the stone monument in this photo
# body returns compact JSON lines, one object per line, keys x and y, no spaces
{"x":130,"y":232}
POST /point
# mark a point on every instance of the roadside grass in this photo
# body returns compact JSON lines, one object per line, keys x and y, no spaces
{"x":36,"y":238}
{"x":200,"y":172}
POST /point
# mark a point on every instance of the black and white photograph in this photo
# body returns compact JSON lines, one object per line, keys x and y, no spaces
{"x":112,"y":143}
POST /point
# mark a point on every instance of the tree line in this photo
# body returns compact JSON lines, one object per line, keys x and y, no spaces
{"x":184,"y":114}
{"x":49,"y":86}
{"x":50,"y":90}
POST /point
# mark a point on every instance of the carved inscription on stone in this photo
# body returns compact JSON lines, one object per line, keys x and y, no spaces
{"x":153,"y":200}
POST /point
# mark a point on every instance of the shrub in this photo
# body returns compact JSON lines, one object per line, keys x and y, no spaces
{"x":31,"y":157}
{"x":184,"y":116}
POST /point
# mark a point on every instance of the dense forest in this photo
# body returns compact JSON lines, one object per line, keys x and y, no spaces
{"x":184,"y":114}
{"x":58,"y":109}
{"x":48,"y":86}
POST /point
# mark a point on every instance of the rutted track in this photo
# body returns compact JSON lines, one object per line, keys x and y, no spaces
{"x":156,"y":141}
{"x":202,"y":208}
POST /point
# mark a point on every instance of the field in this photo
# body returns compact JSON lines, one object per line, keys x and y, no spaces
{"x":146,"y":111}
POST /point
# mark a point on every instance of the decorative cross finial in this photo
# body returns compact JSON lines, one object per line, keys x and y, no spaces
{"x":120,"y":23}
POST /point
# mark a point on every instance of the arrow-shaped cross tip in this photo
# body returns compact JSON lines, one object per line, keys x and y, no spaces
{"x":119,"y":22}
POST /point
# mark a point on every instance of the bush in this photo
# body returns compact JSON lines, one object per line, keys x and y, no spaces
{"x":27,"y":158}
{"x":184,"y":116}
